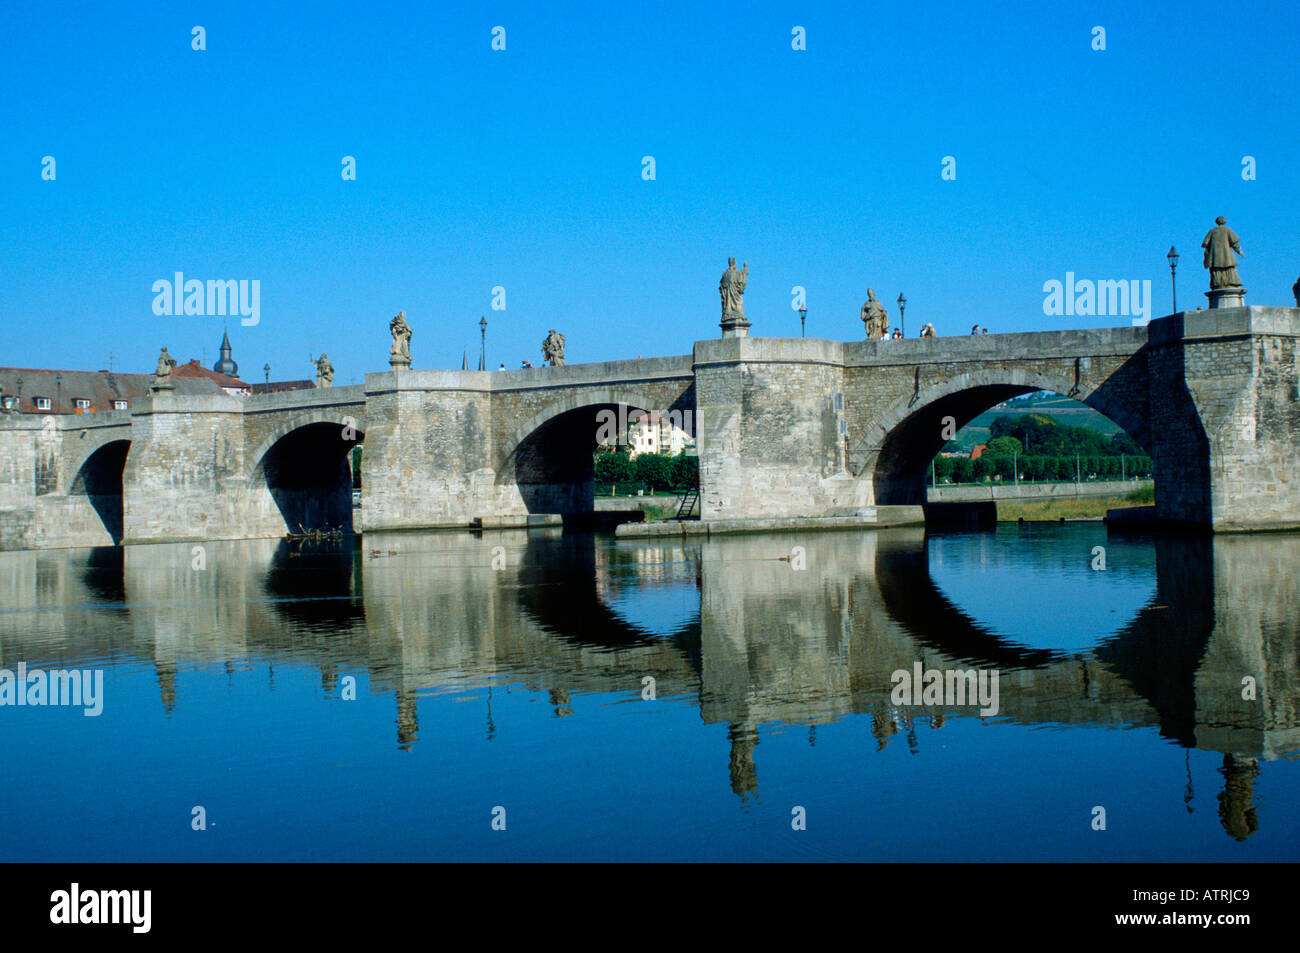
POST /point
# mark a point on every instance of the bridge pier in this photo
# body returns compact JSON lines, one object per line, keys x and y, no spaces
{"x":185,"y":475}
{"x":1225,"y":409}
{"x":771,"y":430}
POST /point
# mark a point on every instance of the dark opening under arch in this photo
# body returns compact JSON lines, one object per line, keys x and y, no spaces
{"x":309,"y":475}
{"x":100,"y":481}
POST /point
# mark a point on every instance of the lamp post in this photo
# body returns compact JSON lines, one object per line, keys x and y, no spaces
{"x":1172,"y":258}
{"x":803,"y":313}
{"x":266,"y":369}
{"x":58,"y":398}
{"x":902,"y":303}
{"x":482,"y":353}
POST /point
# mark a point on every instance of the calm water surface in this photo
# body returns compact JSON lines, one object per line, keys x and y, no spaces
{"x":508,"y":670}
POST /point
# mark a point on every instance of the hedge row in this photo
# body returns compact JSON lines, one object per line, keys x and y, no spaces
{"x":1038,"y":468}
{"x":648,"y":471}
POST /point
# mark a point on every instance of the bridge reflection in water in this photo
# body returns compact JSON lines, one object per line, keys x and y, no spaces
{"x":727,"y":625}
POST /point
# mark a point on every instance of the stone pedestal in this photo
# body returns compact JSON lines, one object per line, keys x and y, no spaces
{"x":400,"y":363}
{"x":734,"y":326}
{"x":1227,"y":298}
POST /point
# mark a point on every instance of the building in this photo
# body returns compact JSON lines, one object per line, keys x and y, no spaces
{"x":658,"y":433}
{"x":193,"y":370}
{"x":225,"y":373}
{"x":27,"y":390}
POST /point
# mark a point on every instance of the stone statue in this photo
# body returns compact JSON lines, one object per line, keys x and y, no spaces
{"x":162,"y":378}
{"x":1220,"y":242}
{"x":1295,"y":290}
{"x":553,"y":349}
{"x":400,"y":355}
{"x":324,"y":371}
{"x":732,"y":290}
{"x":874,"y":317}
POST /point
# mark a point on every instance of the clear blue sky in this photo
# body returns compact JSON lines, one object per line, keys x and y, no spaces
{"x":522,"y":169}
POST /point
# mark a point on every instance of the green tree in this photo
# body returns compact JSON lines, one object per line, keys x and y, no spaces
{"x":1005,"y":447}
{"x":614,"y":468}
{"x":684,"y":471}
{"x":654,"y":470}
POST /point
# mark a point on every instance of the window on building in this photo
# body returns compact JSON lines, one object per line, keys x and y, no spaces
{"x":42,"y":403}
{"x":119,"y":405}
{"x":82,"y":403}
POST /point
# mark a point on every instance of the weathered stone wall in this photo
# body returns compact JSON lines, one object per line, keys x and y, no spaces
{"x":186,"y":476}
{"x":770,"y":434}
{"x":1226,"y":413}
{"x":52,"y":494}
{"x":427,"y":457}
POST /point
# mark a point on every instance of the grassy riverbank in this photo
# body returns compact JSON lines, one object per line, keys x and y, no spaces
{"x":1072,"y":509}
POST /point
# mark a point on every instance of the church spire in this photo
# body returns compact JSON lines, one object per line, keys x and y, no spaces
{"x":226,"y":365}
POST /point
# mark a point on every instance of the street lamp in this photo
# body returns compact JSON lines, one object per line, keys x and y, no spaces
{"x":58,"y":398}
{"x":266,"y":369}
{"x":1172,"y":258}
{"x":803,"y":313}
{"x":482,"y":352}
{"x":902,"y":303}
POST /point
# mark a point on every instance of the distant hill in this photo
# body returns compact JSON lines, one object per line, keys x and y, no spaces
{"x":1062,"y":410}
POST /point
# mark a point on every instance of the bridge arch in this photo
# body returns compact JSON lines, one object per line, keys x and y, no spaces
{"x":903,"y":440}
{"x":549,"y":456}
{"x":99,"y":479}
{"x":301,"y":478}
{"x":272,"y":428}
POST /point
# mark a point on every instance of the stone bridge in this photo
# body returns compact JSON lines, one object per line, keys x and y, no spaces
{"x":786,"y":429}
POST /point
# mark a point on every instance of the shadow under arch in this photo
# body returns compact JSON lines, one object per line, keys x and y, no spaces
{"x":100,"y":481}
{"x":309,"y":476}
{"x":558,"y":591}
{"x":551,"y":463}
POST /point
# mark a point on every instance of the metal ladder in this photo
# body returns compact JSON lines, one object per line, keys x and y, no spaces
{"x":689,"y":500}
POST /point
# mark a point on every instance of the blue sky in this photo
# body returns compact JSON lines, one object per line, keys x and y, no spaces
{"x":522,"y":169}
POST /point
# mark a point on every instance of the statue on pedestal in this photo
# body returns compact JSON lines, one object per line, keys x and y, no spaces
{"x":400,"y":355}
{"x":731,"y":288}
{"x":553,"y":349}
{"x":162,"y":378}
{"x":1220,"y":242}
{"x":324,"y":371}
{"x":874,"y":317}
{"x":1225,"y":285}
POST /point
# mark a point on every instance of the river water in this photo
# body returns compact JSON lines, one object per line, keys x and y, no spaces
{"x":409,"y":696}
